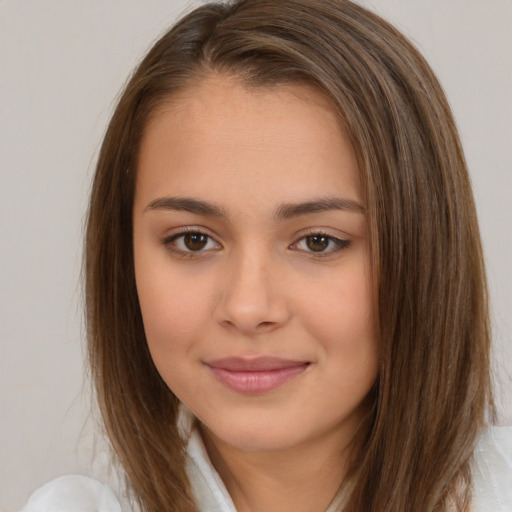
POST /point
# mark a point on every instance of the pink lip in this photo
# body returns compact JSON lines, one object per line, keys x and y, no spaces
{"x":253,"y":376}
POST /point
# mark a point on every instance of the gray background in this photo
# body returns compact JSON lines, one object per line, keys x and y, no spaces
{"x":62,"y":64}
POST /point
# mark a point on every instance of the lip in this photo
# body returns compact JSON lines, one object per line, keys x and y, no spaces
{"x":255,"y":375}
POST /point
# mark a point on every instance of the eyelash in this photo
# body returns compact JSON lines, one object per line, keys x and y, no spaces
{"x":340,"y":244}
{"x":170,"y":242}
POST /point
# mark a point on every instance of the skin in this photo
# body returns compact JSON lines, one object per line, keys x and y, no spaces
{"x":257,"y":288}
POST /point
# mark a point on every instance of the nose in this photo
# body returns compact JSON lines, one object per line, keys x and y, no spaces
{"x":253,"y":298}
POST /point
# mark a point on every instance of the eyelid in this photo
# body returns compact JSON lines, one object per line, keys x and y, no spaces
{"x":340,"y":244}
{"x":169,"y":238}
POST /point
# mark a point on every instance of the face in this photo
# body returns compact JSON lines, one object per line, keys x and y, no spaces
{"x":252,"y":264}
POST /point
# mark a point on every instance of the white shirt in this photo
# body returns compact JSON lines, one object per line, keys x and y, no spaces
{"x":492,"y":475}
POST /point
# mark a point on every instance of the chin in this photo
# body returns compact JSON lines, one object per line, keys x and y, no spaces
{"x":256,"y":434}
{"x":257,"y":441}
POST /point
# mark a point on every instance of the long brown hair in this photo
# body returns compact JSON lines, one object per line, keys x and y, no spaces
{"x":433,"y":392}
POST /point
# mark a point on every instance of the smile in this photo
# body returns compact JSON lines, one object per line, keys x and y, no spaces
{"x":256,"y":375}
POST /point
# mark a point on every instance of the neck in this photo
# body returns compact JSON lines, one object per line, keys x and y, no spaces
{"x":301,"y":479}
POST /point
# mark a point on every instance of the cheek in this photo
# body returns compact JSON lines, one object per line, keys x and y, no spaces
{"x":172,"y":314}
{"x":173,"y":319}
{"x":176,"y":312}
{"x":343,"y":307}
{"x":175,"y":306}
{"x":341,"y":317}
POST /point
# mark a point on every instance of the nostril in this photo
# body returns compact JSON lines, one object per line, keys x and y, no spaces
{"x":265,"y":324}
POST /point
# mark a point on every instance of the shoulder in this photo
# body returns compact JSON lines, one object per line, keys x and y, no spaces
{"x":73,"y":493}
{"x":492,"y":471}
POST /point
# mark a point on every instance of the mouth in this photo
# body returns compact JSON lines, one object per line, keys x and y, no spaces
{"x":255,"y":376}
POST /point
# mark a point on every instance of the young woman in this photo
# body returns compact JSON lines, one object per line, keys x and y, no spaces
{"x":286,"y":297}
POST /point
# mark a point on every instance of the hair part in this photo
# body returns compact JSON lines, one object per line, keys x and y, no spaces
{"x":433,"y":393}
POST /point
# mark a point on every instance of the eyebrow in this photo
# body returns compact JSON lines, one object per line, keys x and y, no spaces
{"x":186,"y":204}
{"x":283,"y":212}
{"x":290,"y":210}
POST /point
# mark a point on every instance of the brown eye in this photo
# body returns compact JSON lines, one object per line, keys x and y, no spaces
{"x":320,"y":245}
{"x":317,"y":243}
{"x":195,"y":241}
{"x":191,"y":242}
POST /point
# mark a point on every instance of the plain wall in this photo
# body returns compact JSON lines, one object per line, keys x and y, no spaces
{"x":62,"y":63}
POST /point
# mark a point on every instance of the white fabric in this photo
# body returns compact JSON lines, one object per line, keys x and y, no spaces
{"x":73,"y":493}
{"x":492,"y":473}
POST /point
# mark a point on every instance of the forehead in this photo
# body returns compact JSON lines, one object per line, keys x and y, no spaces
{"x":234,"y":139}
